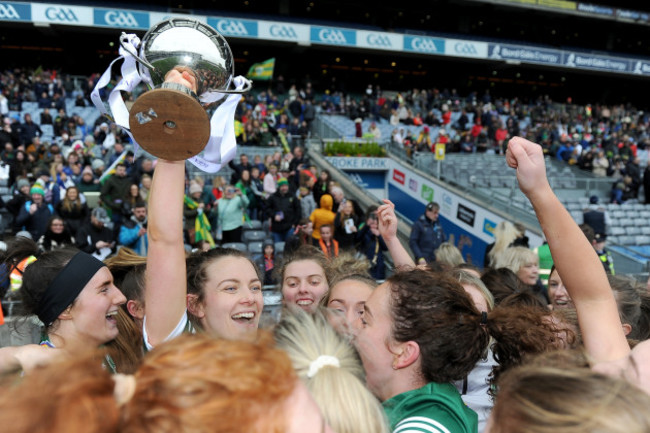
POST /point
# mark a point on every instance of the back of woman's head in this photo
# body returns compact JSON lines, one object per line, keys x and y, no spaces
{"x":63,"y":397}
{"x":525,"y":297}
{"x":504,"y":234}
{"x":193,"y":383}
{"x":348,"y":266}
{"x":501,"y":282}
{"x":198,"y":384}
{"x":448,"y":254}
{"x":433,"y":310}
{"x":520,"y":331}
{"x":467,"y":278}
{"x":514,"y":258}
{"x":566,"y":400}
{"x":40,"y":274}
{"x":329,"y":366}
{"x":628,"y":300}
{"x":127,"y":269}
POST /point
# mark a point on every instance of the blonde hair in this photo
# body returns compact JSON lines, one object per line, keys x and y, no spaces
{"x":448,"y":254}
{"x":504,"y":234}
{"x":348,"y":267}
{"x":464,"y":277}
{"x":339,"y":391}
{"x":568,"y":400}
{"x":514,"y":258}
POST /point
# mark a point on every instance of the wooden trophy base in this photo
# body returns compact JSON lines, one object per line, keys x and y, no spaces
{"x":169,"y":124}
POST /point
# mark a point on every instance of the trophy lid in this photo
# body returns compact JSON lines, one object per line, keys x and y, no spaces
{"x":192,"y":45}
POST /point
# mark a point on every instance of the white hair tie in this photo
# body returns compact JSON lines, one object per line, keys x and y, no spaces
{"x":320,"y":362}
{"x":124,"y":388}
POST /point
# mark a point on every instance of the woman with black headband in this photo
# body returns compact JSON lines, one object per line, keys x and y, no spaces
{"x":73,"y":294}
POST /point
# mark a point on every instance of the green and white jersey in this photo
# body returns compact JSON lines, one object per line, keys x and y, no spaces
{"x":434,"y":408}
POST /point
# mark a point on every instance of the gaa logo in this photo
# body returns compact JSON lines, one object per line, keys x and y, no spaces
{"x":424,"y":45}
{"x":332,"y":36}
{"x":465,"y":48}
{"x":7,"y":11}
{"x":284,"y":32}
{"x":60,"y":14}
{"x":232,"y":27}
{"x":379,"y":41}
{"x":120,"y":19}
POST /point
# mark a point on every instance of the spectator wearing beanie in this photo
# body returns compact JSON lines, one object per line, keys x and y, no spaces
{"x":21,"y":195}
{"x":88,"y":181}
{"x":284,"y":210}
{"x":35,"y":213}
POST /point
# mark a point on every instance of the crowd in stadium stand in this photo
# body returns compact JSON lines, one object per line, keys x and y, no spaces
{"x":440,"y":345}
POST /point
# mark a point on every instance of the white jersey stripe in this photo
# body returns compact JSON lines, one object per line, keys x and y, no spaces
{"x":420,"y":422}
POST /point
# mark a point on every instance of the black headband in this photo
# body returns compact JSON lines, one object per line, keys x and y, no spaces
{"x":67,"y":285}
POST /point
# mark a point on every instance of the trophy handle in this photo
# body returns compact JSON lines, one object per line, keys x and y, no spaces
{"x":129,"y":48}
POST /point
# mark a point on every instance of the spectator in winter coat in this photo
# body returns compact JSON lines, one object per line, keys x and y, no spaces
{"x":427,"y":235}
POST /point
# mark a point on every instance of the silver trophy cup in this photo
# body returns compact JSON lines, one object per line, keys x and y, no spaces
{"x":188,"y":63}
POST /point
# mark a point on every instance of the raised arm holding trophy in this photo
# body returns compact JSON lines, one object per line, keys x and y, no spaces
{"x":189,"y":68}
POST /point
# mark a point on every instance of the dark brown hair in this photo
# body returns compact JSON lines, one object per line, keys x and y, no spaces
{"x":433,"y":310}
{"x":501,"y":282}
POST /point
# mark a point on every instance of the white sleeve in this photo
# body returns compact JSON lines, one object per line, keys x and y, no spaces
{"x":178,"y":330}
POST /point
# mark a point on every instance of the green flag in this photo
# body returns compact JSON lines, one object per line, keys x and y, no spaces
{"x":262,"y":71}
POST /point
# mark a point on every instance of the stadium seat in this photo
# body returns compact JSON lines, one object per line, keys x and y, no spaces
{"x":641,"y":222}
{"x":279,"y":247}
{"x":253,"y":236}
{"x":626,"y":240}
{"x":252,"y":225}
{"x":617,"y":231}
{"x":256,"y":247}
{"x":576,"y":215}
{"x":632,"y":230}
{"x":645,"y":230}
{"x":613,"y":240}
{"x":618,"y":214}
{"x":642,"y":240}
{"x":626,"y":222}
{"x":236,"y":245}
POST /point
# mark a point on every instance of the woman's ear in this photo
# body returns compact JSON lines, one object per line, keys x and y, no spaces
{"x":627,"y":328}
{"x":194,"y":306}
{"x":66,"y":314}
{"x":405,"y":354}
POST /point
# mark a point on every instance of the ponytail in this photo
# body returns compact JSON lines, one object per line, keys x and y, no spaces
{"x":522,"y":331}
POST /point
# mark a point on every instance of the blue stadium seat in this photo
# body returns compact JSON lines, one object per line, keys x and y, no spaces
{"x":236,"y":245}
{"x":642,"y":240}
{"x":253,"y":236}
{"x":256,"y":247}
